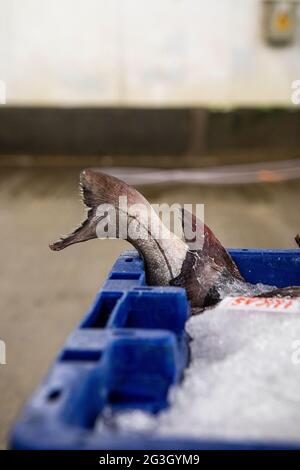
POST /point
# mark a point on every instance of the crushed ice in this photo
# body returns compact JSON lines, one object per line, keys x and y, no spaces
{"x":241,"y":384}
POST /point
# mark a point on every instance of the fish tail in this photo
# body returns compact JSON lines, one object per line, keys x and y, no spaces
{"x":97,"y":189}
{"x":163,"y":254}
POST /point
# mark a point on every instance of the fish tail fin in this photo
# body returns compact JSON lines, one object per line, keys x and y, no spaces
{"x":97,"y":189}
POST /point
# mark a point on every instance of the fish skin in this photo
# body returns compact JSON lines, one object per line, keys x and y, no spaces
{"x":163,"y":257}
{"x":211,"y":246}
{"x":200,"y":275}
{"x":207,"y":273}
{"x":217,"y":271}
{"x":291,"y":291}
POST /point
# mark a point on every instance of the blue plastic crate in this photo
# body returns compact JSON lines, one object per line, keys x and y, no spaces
{"x":127,"y":352}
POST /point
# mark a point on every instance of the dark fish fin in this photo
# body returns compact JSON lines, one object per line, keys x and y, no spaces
{"x":86,"y":230}
{"x":82,"y":233}
{"x":211,"y":246}
{"x":97,"y":188}
{"x":297,"y":239}
{"x":293,"y":291}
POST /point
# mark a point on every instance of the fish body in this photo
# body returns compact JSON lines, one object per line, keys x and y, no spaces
{"x":163,"y":253}
{"x":208,"y":273}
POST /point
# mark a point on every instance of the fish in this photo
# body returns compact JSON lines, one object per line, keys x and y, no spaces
{"x":207,"y":272}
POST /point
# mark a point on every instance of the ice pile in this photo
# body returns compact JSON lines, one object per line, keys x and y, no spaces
{"x":243,"y":381}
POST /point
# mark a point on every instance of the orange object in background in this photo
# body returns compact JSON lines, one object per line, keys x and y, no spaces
{"x":269,"y":176}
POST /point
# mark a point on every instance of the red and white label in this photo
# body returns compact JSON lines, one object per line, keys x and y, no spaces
{"x":261,"y":304}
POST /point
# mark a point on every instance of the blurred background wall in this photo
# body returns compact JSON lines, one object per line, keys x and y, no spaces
{"x":144,"y":53}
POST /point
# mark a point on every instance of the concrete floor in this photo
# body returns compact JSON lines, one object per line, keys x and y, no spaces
{"x":43,"y":295}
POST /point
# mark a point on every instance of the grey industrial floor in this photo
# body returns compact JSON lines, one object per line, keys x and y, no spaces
{"x":43,"y":294}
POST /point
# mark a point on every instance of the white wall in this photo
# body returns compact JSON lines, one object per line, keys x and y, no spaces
{"x":142,"y":52}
